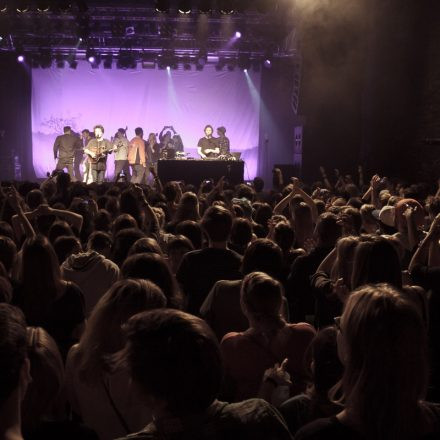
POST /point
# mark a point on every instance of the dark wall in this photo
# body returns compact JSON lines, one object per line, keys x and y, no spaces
{"x":332,"y":39}
{"x":15,"y":116}
{"x":277,"y":119}
{"x":371,"y":86}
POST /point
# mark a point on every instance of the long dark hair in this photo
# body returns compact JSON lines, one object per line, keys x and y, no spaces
{"x":40,"y":277}
{"x":384,"y":349}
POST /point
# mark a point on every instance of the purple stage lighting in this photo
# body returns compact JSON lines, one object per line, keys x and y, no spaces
{"x":267,"y":63}
{"x":238,"y":34}
{"x":91,"y":59}
{"x":20,"y":58}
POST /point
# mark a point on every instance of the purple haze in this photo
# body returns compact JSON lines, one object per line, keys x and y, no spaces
{"x":188,"y":100}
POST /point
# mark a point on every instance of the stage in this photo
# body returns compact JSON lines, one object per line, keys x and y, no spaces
{"x":195,"y":171}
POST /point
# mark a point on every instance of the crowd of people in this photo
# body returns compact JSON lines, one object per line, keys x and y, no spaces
{"x":167,"y":311}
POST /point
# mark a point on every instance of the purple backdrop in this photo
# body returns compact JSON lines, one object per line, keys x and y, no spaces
{"x":188,"y":100}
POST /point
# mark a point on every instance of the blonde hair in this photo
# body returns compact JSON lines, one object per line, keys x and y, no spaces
{"x":103,"y":335}
{"x":345,"y":250}
{"x":386,"y":365}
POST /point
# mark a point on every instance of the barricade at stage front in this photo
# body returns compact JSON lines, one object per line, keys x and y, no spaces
{"x":196,"y":171}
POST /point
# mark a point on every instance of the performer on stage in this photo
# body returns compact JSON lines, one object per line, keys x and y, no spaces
{"x":64,"y":149}
{"x":120,"y":146}
{"x":166,"y":141}
{"x":86,"y":136}
{"x":207,"y":146}
{"x":153,"y":149}
{"x":137,"y":157}
{"x":97,"y":149}
{"x":223,"y":141}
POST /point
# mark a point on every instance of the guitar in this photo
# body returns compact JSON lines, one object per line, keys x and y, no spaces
{"x":100,"y":154}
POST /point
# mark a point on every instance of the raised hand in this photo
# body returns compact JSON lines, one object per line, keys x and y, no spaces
{"x":434,"y":230}
{"x":375,"y":182}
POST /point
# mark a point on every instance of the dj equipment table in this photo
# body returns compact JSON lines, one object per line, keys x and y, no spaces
{"x":195,"y":171}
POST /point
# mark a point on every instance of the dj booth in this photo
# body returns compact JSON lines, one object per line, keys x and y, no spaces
{"x":195,"y":171}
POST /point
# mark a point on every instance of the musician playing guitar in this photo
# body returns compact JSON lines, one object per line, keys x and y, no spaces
{"x":97,"y":149}
{"x":207,"y":146}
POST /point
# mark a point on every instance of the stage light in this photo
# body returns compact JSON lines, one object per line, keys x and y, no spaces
{"x":205,"y":6}
{"x":162,"y":6}
{"x":22,"y":6}
{"x":45,"y":59}
{"x":59,"y":59}
{"x":20,"y":58}
{"x":201,"y":59}
{"x":244,"y":62}
{"x":108,"y":60}
{"x":43,"y":6}
{"x":64,"y":6}
{"x":148,"y":61}
{"x":71,"y":59}
{"x":267,"y":63}
{"x":93,"y":58}
{"x":126,"y":60}
{"x":184,"y":6}
{"x":186,"y":62}
{"x":220,"y":64}
{"x":3,"y":6}
{"x":226,"y":7}
{"x":238,"y":34}
{"x":168,"y":68}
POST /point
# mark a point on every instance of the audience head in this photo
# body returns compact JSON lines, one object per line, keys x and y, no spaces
{"x":217,"y":224}
{"x":14,"y":364}
{"x":258,"y":184}
{"x":5,"y":289}
{"x":263,"y":255}
{"x":123,"y":241}
{"x":40,"y":276}
{"x":154,"y":268}
{"x":6,"y":230}
{"x":145,"y":245}
{"x":102,"y":221}
{"x":375,"y":261}
{"x":35,"y":198}
{"x":8,"y":253}
{"x":100,"y":242}
{"x":325,"y":367}
{"x":327,"y":230}
{"x":103,"y":335}
{"x":58,"y":229}
{"x":193,"y":231}
{"x":65,"y":246}
{"x":123,"y":221}
{"x":175,"y":360}
{"x":261,"y":299}
{"x":47,"y":372}
{"x":382,"y":344}
{"x":241,"y":232}
{"x":284,"y":236}
{"x":178,"y":246}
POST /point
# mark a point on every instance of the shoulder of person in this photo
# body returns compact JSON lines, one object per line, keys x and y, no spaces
{"x":260,"y":412}
{"x":231,"y":338}
{"x":302,"y":327}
